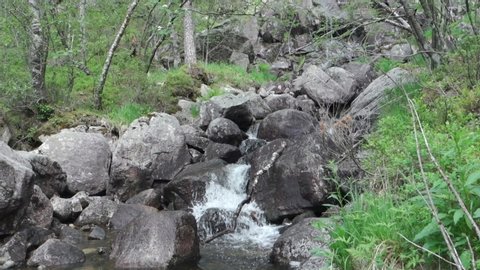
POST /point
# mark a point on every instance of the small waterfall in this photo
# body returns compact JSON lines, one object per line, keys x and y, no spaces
{"x":221,"y":200}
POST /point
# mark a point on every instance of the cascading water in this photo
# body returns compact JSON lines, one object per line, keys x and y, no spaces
{"x":222,"y":199}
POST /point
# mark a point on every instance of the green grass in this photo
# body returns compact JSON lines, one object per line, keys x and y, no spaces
{"x":384,"y":65}
{"x":369,"y":234}
{"x":128,"y":112}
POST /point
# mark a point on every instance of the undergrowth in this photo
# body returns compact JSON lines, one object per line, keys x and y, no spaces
{"x":391,"y":226}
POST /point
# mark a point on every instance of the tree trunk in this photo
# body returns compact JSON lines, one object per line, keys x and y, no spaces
{"x":38,"y":51}
{"x":97,"y":95}
{"x":83,"y":31}
{"x":189,"y":35}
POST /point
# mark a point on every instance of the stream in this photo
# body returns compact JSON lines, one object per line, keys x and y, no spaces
{"x":246,"y":249}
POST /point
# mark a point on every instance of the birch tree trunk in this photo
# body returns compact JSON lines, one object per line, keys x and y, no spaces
{"x":38,"y":51}
{"x":189,"y":35}
{"x":83,"y":31}
{"x":97,"y":95}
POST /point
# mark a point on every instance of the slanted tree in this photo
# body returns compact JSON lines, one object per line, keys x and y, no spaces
{"x":97,"y":95}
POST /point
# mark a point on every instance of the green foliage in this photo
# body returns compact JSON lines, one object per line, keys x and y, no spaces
{"x":128,"y":112}
{"x":179,"y":83}
{"x":448,"y":106}
{"x":44,"y":112}
{"x":237,"y":76}
{"x":384,"y":65}
{"x":212,"y":92}
{"x":369,"y":234}
{"x":195,"y":111}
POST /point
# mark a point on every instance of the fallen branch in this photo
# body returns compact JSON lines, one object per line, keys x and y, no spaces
{"x":257,"y":175}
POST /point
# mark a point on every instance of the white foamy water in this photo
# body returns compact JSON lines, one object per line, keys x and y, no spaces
{"x":252,"y":226}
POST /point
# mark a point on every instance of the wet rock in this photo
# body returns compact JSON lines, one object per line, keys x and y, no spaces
{"x":150,"y":197}
{"x":295,"y":245}
{"x":40,"y":211}
{"x":125,"y":213}
{"x":367,"y":104}
{"x":16,"y":188}
{"x":85,"y":157}
{"x":190,"y":184}
{"x":320,"y":87}
{"x":227,"y":152}
{"x":14,"y":251}
{"x":222,"y":130}
{"x":257,"y":106}
{"x":296,"y":182}
{"x":50,"y":177}
{"x":250,"y":145}
{"x":213,"y":221}
{"x":55,"y":252}
{"x":286,"y":124}
{"x":70,"y":235}
{"x":98,"y":212}
{"x":195,"y":137}
{"x":66,"y":210}
{"x":151,"y":149}
{"x":97,"y":233}
{"x":281,"y":102}
{"x":168,"y":239}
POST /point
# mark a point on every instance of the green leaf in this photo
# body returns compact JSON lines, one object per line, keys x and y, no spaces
{"x":476,"y":214}
{"x":457,"y":216}
{"x":475,"y":191}
{"x":473,"y":178}
{"x":431,"y":228}
{"x":466,"y":258}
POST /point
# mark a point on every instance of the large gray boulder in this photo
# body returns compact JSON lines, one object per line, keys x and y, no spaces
{"x":40,"y":211}
{"x":362,"y":72}
{"x":227,"y":152}
{"x":14,"y":251}
{"x":125,"y":213}
{"x":159,"y":240}
{"x":55,"y":252}
{"x":234,"y":107}
{"x":50,"y":177}
{"x":344,"y":78}
{"x":295,"y":245}
{"x":16,"y":188}
{"x":98,"y":212}
{"x":223,"y":130}
{"x":367,"y":104}
{"x":296,"y":183}
{"x":150,"y":197}
{"x":85,"y":157}
{"x":279,"y":102}
{"x":152,"y":148}
{"x":320,"y":87}
{"x":286,"y":124}
{"x":190,"y":185}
